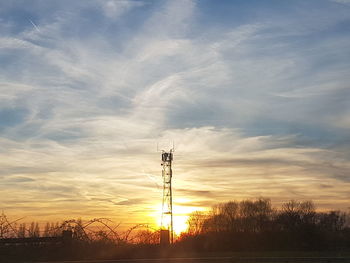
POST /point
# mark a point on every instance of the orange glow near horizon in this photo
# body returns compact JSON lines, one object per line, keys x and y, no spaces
{"x":180,"y":224}
{"x":180,"y":217}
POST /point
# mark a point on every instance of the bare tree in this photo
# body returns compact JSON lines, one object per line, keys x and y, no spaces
{"x":34,"y":230}
{"x":147,"y":237}
{"x":195,"y":223}
{"x":22,"y":230}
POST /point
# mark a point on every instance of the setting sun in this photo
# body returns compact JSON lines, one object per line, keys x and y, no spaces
{"x":180,"y":224}
{"x":180,"y":216}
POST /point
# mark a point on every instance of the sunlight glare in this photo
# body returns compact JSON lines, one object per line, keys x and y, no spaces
{"x":180,"y":216}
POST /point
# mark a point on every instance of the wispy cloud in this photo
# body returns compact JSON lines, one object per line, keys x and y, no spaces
{"x":341,"y":1}
{"x":256,"y":107}
{"x":115,"y":8}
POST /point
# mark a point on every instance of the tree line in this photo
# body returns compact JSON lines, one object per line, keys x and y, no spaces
{"x":255,"y":224}
{"x":33,"y":229}
{"x":248,"y":225}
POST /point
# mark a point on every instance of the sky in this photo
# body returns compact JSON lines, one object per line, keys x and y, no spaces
{"x":254,"y":94}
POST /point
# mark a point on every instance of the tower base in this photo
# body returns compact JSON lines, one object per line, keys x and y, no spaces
{"x":164,"y":237}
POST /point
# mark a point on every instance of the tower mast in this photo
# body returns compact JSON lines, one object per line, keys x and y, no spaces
{"x":167,"y":231}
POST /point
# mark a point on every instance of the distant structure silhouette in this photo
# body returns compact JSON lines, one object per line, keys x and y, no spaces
{"x":167,"y":231}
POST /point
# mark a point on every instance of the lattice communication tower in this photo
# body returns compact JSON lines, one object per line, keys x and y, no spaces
{"x":167,"y":231}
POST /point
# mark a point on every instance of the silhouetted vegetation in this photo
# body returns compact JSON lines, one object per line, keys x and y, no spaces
{"x":256,"y":225}
{"x":248,"y":225}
